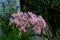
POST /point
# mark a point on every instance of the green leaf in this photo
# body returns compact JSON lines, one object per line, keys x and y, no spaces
{"x":36,"y":38}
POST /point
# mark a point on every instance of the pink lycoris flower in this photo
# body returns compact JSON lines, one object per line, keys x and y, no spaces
{"x":16,"y":21}
{"x":40,"y":17}
{"x":14,"y":15}
{"x":41,"y":22}
{"x":20,"y":14}
{"x":26,"y":24}
{"x":37,"y":29}
{"x":22,"y":23}
{"x":34,"y":21}
{"x":22,"y":29}
{"x":30,"y":14}
{"x":44,"y":24}
{"x":34,"y":16}
{"x":26,"y":20}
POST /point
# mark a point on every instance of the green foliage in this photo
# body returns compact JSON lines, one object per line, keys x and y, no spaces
{"x":12,"y":35}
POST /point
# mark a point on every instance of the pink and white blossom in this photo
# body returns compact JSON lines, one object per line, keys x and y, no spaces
{"x":26,"y":20}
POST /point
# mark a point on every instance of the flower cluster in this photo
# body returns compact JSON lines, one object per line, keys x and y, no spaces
{"x":24,"y":20}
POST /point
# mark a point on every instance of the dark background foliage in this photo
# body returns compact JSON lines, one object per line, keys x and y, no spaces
{"x":49,"y":9}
